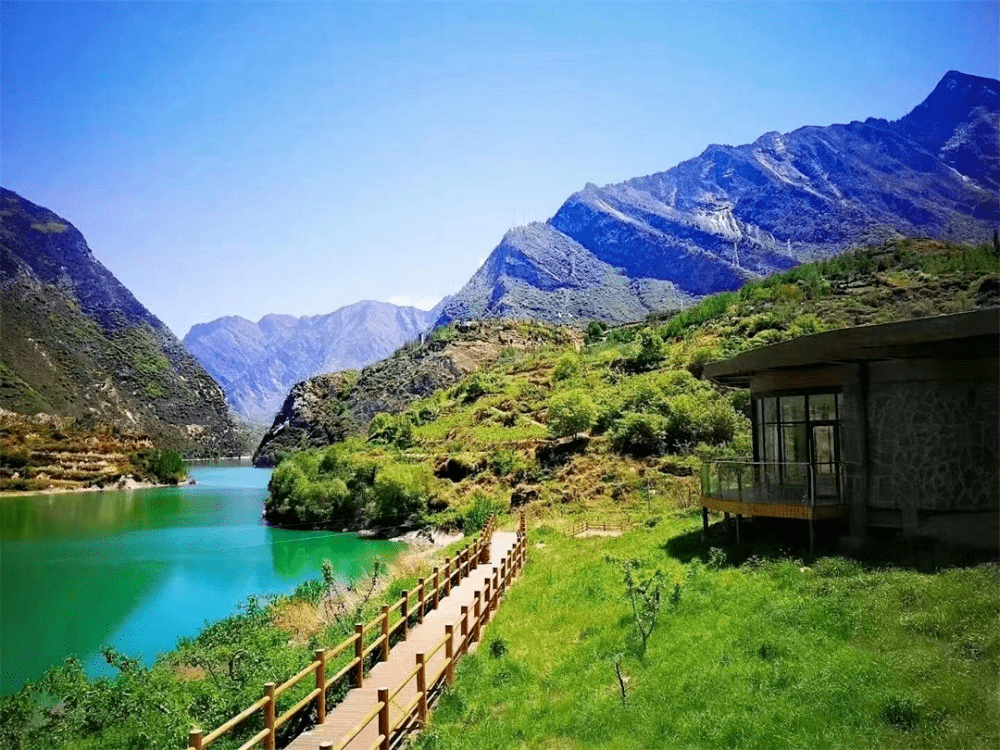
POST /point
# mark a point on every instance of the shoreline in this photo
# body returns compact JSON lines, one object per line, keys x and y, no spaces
{"x":128,"y":485}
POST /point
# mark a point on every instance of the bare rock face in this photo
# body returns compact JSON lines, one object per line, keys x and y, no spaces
{"x":732,"y":214}
{"x":328,"y":408}
{"x":76,"y":343}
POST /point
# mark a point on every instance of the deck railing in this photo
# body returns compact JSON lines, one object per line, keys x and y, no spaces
{"x":772,"y":482}
{"x":427,"y":682}
{"x":392,"y":620}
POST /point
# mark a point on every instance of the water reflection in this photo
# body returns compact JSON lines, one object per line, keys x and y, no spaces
{"x":138,"y":569}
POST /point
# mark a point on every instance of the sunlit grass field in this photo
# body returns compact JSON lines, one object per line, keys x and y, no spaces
{"x":774,"y":653}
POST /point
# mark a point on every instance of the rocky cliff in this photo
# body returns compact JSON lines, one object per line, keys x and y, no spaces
{"x":76,"y":343}
{"x":737,"y":213}
{"x":328,"y":408}
{"x":257,"y":363}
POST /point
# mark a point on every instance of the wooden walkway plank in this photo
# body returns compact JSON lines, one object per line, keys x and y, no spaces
{"x":422,"y":638}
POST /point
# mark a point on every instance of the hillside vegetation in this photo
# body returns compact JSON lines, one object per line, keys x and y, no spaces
{"x":767,"y":649}
{"x":583,"y":426}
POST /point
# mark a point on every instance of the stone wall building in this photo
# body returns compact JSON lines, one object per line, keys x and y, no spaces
{"x":894,"y":425}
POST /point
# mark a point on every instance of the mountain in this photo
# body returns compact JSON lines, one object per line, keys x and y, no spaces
{"x":738,"y":213}
{"x":328,"y":408}
{"x":74,"y":342}
{"x":257,"y":363}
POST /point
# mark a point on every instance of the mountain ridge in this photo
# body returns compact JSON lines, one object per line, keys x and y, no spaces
{"x":258,"y":363}
{"x":735,"y":213}
{"x":77,"y":343}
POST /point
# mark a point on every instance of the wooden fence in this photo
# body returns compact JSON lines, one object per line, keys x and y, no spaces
{"x":412,"y":605}
{"x":578,"y":527}
{"x":415,"y":713}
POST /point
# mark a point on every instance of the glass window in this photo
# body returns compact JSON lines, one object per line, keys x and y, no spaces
{"x":793,"y":408}
{"x":770,"y":409}
{"x":793,"y":442}
{"x":824,"y":451}
{"x":822,"y":407}
{"x":771,"y":443}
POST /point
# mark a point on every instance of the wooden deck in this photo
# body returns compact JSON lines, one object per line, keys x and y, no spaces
{"x":342,"y":719}
{"x":774,"y":509}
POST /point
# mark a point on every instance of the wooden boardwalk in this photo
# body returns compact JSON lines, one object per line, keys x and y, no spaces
{"x":398,"y":673}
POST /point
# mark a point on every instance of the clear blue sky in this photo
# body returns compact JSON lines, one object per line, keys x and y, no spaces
{"x":246,"y":158}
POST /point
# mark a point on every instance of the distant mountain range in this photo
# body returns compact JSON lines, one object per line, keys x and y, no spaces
{"x":74,"y":342}
{"x":258,"y":363}
{"x":737,"y":213}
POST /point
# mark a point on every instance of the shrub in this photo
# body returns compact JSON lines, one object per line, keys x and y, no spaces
{"x":639,"y":434}
{"x":475,"y":517}
{"x":389,"y":429}
{"x":567,"y":367}
{"x":401,"y":490}
{"x":651,"y":351}
{"x":164,"y":465}
{"x":571,"y":412}
{"x":595,"y":331}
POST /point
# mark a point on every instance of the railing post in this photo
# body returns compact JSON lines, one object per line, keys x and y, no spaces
{"x":404,"y":612}
{"x":475,"y":616}
{"x":447,"y":576}
{"x":488,"y":599}
{"x":383,"y":717}
{"x":420,"y":613}
{"x":524,"y":522}
{"x":496,"y":590}
{"x":437,"y":583}
{"x":320,"y":655}
{"x":269,"y":716}
{"x":465,"y":629}
{"x":422,"y":688}
{"x":503,"y":574}
{"x":449,"y":652}
{"x":359,"y":654}
{"x":194,"y":739}
{"x":385,"y":632}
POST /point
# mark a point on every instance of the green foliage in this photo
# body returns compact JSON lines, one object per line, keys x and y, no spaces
{"x":708,"y":309}
{"x":639,"y":433}
{"x":571,"y":412}
{"x":643,"y":589}
{"x":50,"y":227}
{"x":651,"y":352}
{"x":567,"y":366}
{"x":391,"y":429}
{"x":401,"y":490}
{"x":163,"y":465}
{"x":595,"y":331}
{"x":474,"y":518}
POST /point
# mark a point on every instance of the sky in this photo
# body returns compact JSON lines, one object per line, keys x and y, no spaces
{"x":246,"y":158}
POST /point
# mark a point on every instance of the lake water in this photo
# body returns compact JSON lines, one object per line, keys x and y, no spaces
{"x":138,"y":569}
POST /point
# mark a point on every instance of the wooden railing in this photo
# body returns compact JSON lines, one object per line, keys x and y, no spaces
{"x":470,"y":629}
{"x":578,"y":527}
{"x":393,"y":619}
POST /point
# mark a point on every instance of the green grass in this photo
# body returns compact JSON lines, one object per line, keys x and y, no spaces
{"x":771,"y":655}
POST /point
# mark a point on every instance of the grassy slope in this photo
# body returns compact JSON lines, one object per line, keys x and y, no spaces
{"x":773,"y":654}
{"x":491,"y":424}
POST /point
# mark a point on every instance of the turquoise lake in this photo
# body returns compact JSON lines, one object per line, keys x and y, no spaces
{"x":138,"y":569}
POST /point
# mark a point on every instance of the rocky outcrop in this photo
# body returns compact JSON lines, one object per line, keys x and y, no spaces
{"x":76,"y":343}
{"x":257,"y":363}
{"x":736,"y":213}
{"x":328,"y":408}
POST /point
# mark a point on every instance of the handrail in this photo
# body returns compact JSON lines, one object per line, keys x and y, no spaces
{"x":473,"y":554}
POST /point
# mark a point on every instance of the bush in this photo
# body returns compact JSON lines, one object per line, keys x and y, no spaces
{"x":567,"y":367}
{"x":475,"y":517}
{"x":571,"y":412}
{"x":166,"y":466}
{"x":639,"y":434}
{"x":389,"y":429}
{"x":400,"y":490}
{"x":595,"y":331}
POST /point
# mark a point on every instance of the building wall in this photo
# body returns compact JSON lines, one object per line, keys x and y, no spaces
{"x":934,"y":444}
